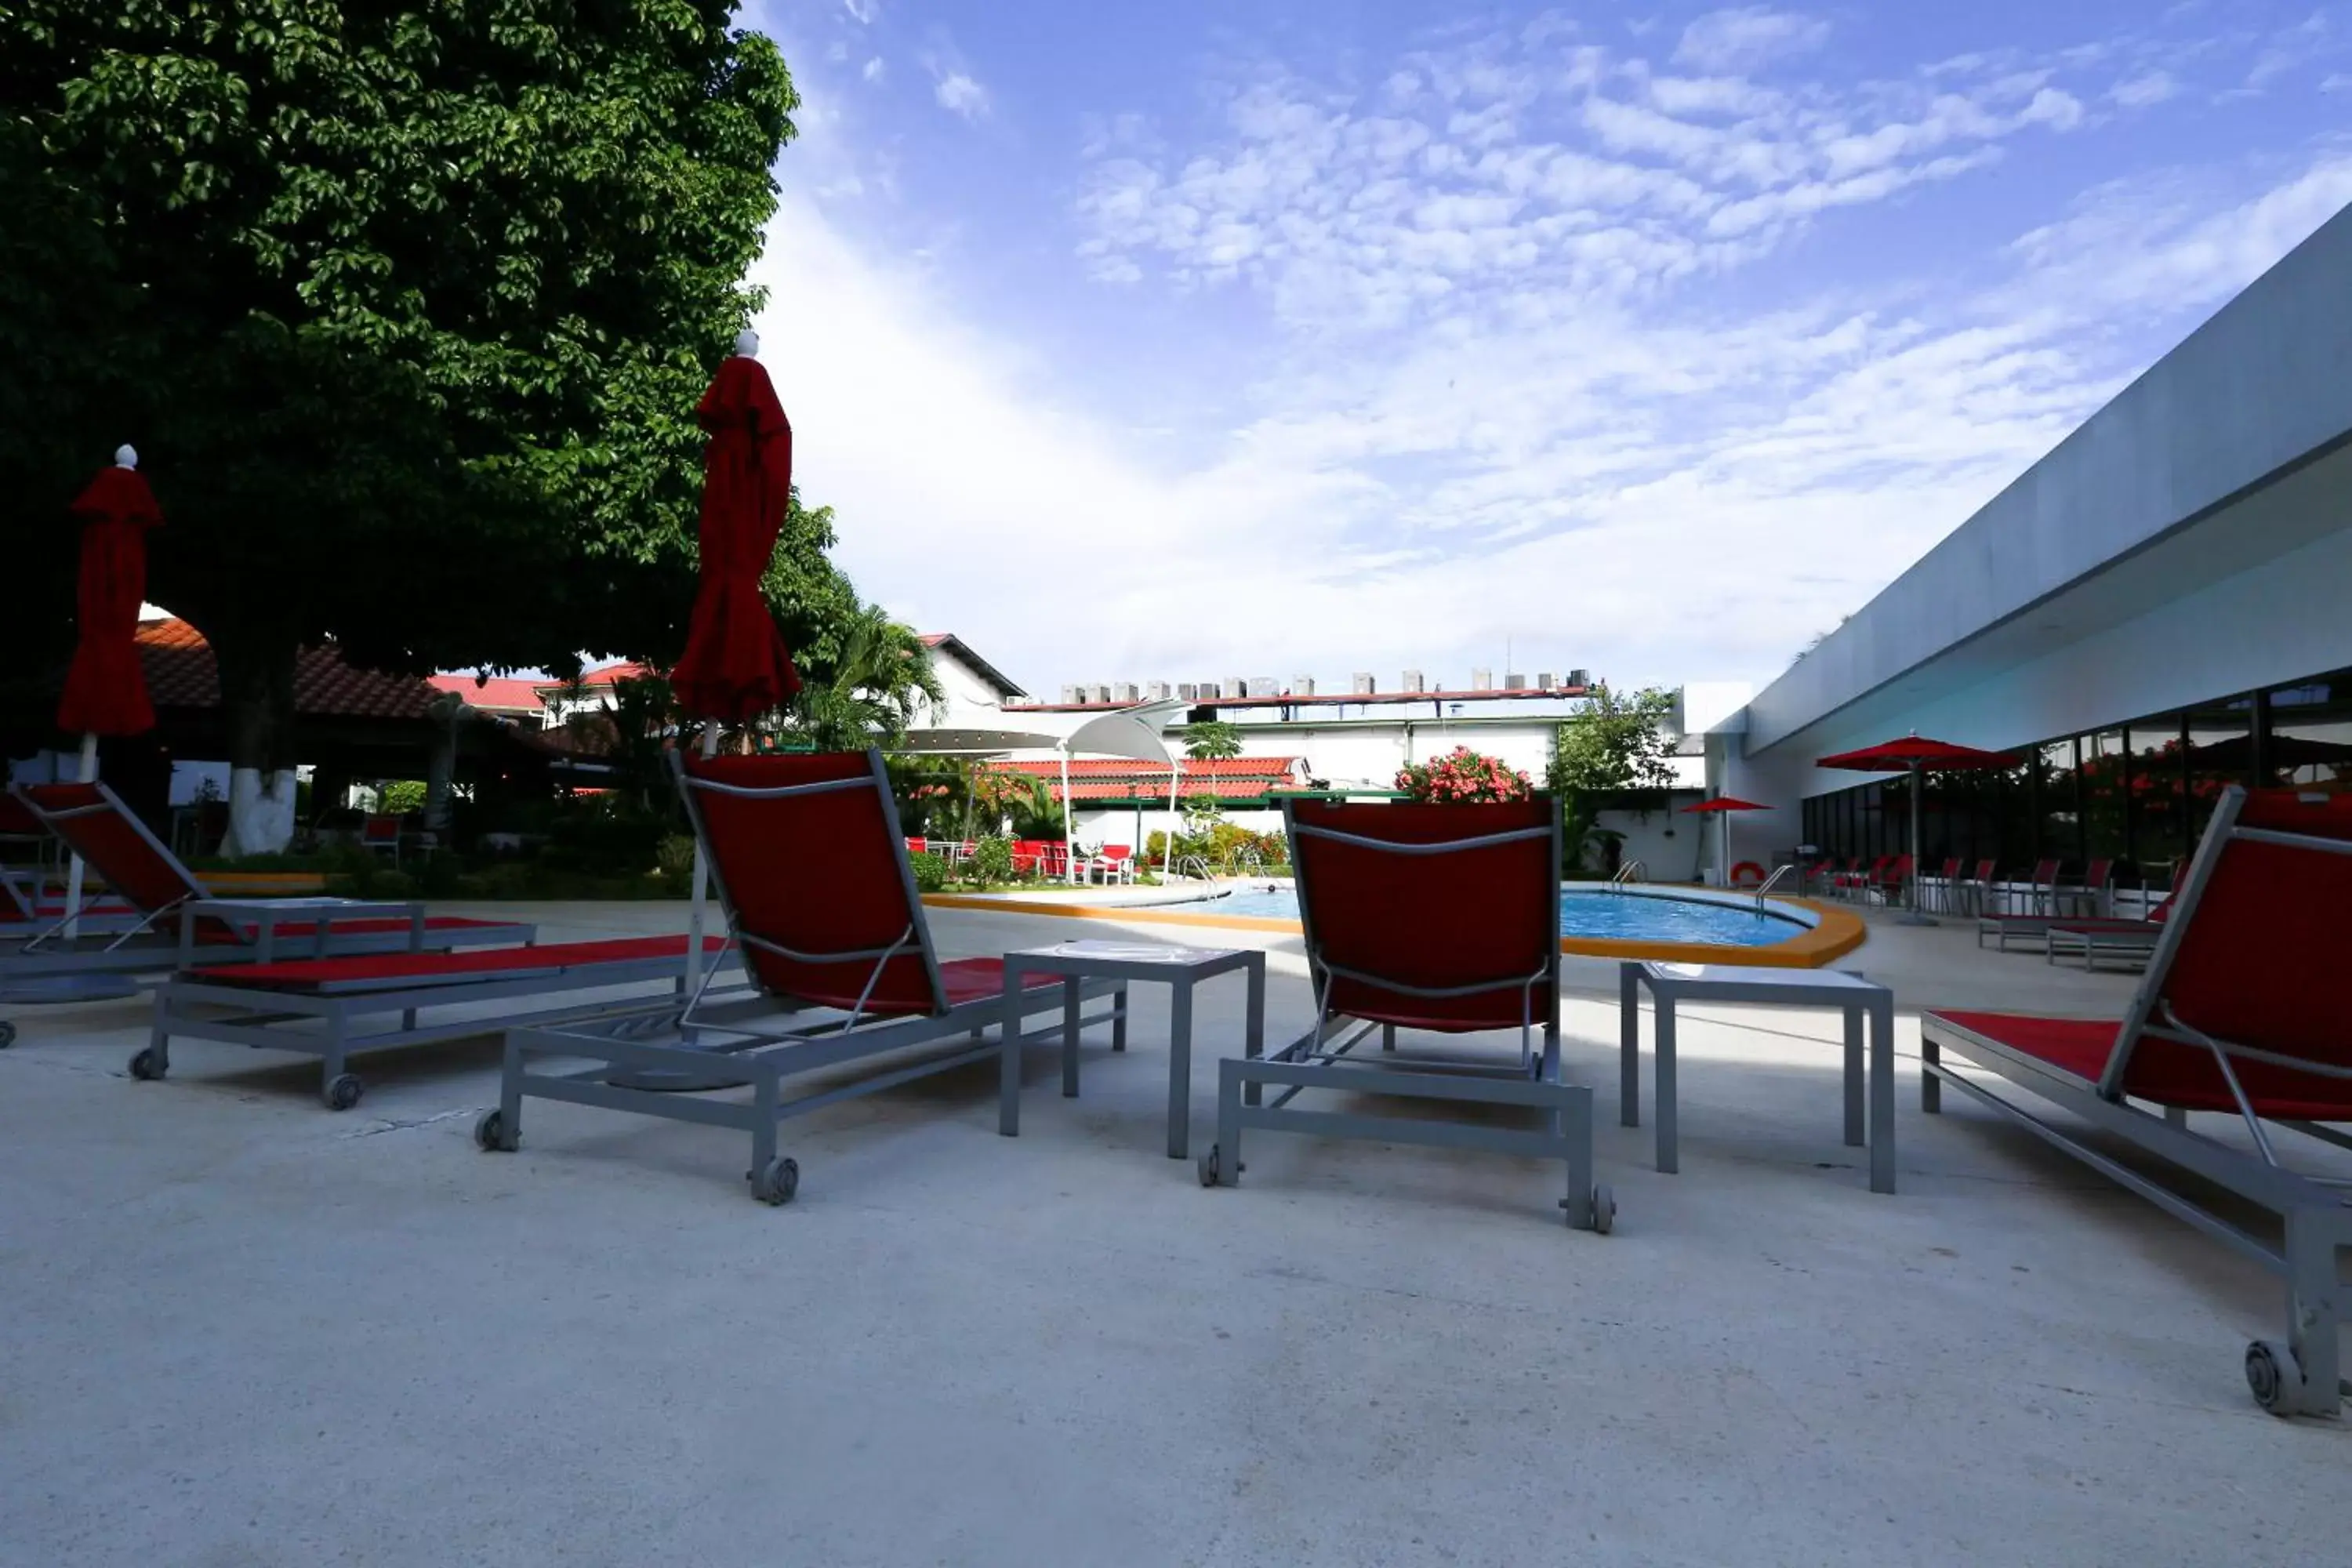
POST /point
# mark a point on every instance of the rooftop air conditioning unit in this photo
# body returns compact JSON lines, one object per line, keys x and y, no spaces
{"x":1515,"y":683}
{"x":1235,"y":686}
{"x":1125,"y":691}
{"x":1188,"y":691}
{"x":1157,"y":691}
{"x":1074,"y":694}
{"x":1544,"y":681}
{"x":1481,"y":680}
{"x":1263,"y":686}
{"x":1579,"y":678}
{"x":1413,"y":683}
{"x":1302,"y":685}
{"x":1362,"y":681}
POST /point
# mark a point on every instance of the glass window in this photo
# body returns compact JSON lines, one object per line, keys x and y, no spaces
{"x":2013,"y":845}
{"x":2309,"y":742}
{"x":2221,"y":753}
{"x":2058,"y":834}
{"x":2159,"y":824}
{"x":2107,"y":796}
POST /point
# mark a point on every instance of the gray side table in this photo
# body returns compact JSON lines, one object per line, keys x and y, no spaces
{"x":1851,"y":995}
{"x":1180,"y":968}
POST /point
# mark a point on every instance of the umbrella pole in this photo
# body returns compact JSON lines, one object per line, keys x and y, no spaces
{"x":701,"y":885}
{"x":1911,"y":889}
{"x":73,"y":871}
{"x":1168,"y":851}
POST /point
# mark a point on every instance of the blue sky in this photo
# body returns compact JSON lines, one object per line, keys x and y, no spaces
{"x":1184,"y":341}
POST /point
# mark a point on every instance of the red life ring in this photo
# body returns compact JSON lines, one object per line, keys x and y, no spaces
{"x":1751,"y":871}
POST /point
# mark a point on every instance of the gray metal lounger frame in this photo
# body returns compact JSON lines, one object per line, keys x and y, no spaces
{"x":753,"y":1047}
{"x":326,"y":1021}
{"x":2302,"y":1375}
{"x":1314,"y":1062}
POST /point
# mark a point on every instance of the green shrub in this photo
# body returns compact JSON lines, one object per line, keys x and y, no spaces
{"x":401,"y":797}
{"x":992,"y":860}
{"x":674,"y":856}
{"x":930,"y":872}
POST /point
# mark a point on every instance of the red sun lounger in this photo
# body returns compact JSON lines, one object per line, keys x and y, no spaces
{"x":2244,"y":1012}
{"x":334,"y":1008}
{"x":1438,"y":920}
{"x":812,"y":870}
{"x":174,"y":927}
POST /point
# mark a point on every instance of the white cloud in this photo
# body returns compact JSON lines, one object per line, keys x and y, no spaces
{"x":1498,"y":382}
{"x":2140,"y":91}
{"x":1749,"y":37}
{"x":958,"y":91}
{"x":873,"y":70}
{"x":863,"y":11}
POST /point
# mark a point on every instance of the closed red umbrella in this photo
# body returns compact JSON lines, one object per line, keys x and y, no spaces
{"x":106,"y":692}
{"x":1721,"y":807}
{"x":1918,"y":756}
{"x":736,"y":666}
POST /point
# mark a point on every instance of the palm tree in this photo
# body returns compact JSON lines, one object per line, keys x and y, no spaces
{"x":862,"y":686}
{"x":1212,"y":740}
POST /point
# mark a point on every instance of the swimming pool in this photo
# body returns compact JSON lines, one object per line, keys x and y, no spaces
{"x":1624,"y":916}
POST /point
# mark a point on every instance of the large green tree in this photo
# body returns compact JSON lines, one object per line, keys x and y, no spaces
{"x":407,"y":307}
{"x":1616,"y":742}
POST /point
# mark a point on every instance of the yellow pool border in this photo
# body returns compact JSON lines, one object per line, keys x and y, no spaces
{"x":1838,"y":933}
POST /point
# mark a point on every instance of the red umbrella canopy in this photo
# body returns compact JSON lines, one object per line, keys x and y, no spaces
{"x":106,"y":692}
{"x":736,"y":665}
{"x":1725,"y":803}
{"x":1915,"y":751}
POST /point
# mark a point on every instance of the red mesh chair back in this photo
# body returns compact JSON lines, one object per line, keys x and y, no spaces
{"x":1431,"y":917}
{"x":95,"y":824}
{"x":2099,"y":874}
{"x":810,"y":867}
{"x":382,"y":828}
{"x":2256,"y":946}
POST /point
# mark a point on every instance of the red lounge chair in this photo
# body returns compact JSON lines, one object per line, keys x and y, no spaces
{"x":809,"y":864}
{"x":2244,"y":1010}
{"x":317,"y":1005}
{"x":94,"y":824}
{"x":1437,"y":918}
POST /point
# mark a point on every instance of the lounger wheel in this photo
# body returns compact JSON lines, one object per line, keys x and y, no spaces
{"x":490,"y":1131}
{"x":7,"y":1036}
{"x":144,"y":1066}
{"x":2274,"y":1375}
{"x":342,"y":1091}
{"x":776,"y":1181}
{"x":1208,"y":1163}
{"x":1604,"y":1210}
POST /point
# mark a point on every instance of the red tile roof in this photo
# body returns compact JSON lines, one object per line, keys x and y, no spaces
{"x":180,"y":673}
{"x":1228,"y":778}
{"x":499,"y":693}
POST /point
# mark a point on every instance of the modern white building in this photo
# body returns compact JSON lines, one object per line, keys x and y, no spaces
{"x":2159,"y":607}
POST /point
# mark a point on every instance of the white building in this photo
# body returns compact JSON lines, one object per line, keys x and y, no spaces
{"x":2156,"y":609}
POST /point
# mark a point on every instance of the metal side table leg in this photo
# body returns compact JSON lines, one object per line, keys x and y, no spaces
{"x":1179,"y":1067}
{"x":1854,"y":1125}
{"x":1669,"y":1159}
{"x":1881,"y":1098}
{"x":1629,"y":1044}
{"x":1070,"y":1037}
{"x":1008,"y":1057}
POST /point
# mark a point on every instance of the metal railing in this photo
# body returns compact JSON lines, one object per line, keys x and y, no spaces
{"x":1773,"y":881}
{"x":1193,"y":867}
{"x":1631,"y":871}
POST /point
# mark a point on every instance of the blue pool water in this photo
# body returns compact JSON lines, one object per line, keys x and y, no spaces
{"x":1622,"y":917}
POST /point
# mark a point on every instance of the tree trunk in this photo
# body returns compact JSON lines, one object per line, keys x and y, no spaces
{"x":257,"y":685}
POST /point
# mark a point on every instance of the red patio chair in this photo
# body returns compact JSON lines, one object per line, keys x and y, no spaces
{"x":93,"y":822}
{"x":809,"y":864}
{"x":2242,"y":1011}
{"x":380,"y":831}
{"x":1887,"y":880}
{"x":1438,"y":919}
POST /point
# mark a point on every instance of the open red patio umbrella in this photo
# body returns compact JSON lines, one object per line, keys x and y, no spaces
{"x":106,"y":691}
{"x":1720,"y":808}
{"x":1918,"y":756}
{"x":736,"y":666}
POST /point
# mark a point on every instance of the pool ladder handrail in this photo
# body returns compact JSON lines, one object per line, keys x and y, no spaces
{"x":1631,"y":871}
{"x":1773,"y":881}
{"x":1193,"y":867}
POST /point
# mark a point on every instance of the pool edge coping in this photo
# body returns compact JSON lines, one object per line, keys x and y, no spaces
{"x":1836,"y":933}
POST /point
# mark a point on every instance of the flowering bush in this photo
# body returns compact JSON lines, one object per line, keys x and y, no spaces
{"x":1463,"y":777}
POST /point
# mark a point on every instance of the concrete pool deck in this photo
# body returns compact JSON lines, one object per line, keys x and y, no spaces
{"x":244,"y":1330}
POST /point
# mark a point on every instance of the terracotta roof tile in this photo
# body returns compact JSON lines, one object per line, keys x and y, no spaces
{"x":180,"y":673}
{"x":1101,"y":778}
